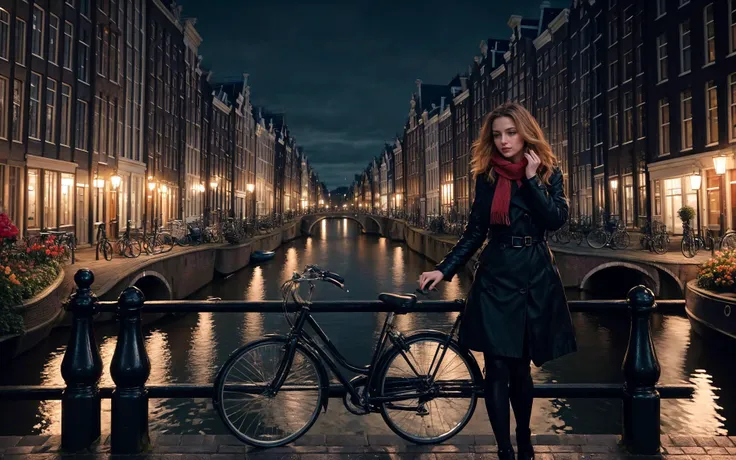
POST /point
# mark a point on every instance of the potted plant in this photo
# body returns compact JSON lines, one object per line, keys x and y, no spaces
{"x":686,"y":214}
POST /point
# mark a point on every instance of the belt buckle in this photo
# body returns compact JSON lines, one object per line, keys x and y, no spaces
{"x":527,"y":241}
{"x":515,"y":245}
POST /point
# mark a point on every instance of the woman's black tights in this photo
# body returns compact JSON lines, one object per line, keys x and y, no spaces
{"x":508,"y":379}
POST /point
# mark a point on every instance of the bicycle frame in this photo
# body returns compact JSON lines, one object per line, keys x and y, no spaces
{"x":334,"y":359}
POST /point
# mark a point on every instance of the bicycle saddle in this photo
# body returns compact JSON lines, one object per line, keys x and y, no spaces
{"x":398,"y":301}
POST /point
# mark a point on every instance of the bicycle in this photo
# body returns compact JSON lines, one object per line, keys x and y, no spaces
{"x":405,"y":382}
{"x":613,"y":235}
{"x":103,"y":244}
{"x":690,"y":244}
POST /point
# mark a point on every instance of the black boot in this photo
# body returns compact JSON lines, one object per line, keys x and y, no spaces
{"x":506,"y":453}
{"x":524,"y":444}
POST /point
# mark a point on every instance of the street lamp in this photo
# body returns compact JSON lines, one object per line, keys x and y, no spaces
{"x":695,"y":181}
{"x":250,"y":188}
{"x":719,"y":163}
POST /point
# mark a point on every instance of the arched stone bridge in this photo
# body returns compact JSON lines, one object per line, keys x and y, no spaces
{"x":588,"y":269}
{"x":368,"y":223}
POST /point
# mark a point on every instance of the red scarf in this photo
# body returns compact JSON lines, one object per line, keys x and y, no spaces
{"x":506,"y":171}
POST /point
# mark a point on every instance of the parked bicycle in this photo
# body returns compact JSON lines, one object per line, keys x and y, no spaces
{"x":691,"y":243}
{"x":270,"y":391}
{"x":654,"y":237}
{"x":711,"y":242}
{"x":103,"y":244}
{"x":613,"y":235}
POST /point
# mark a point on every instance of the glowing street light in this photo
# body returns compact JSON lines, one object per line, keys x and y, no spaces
{"x":719,"y":163}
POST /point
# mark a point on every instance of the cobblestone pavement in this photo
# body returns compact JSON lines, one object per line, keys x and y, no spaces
{"x":335,"y":447}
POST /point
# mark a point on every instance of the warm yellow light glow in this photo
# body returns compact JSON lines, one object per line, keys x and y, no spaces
{"x":164,"y":189}
{"x":250,"y":187}
{"x":67,"y":181}
{"x":98,"y":183}
{"x":115,"y":181}
{"x":719,"y":163}
{"x":213,"y":184}
{"x":695,"y":180}
{"x":151,"y":185}
{"x":614,"y":184}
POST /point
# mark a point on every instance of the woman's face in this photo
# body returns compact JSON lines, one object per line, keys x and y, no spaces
{"x":507,"y":139}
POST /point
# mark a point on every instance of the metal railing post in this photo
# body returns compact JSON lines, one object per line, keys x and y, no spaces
{"x":641,"y":402}
{"x":81,"y":369}
{"x":129,"y":370}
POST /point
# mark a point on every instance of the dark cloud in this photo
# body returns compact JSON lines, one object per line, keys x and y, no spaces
{"x":343,"y":71}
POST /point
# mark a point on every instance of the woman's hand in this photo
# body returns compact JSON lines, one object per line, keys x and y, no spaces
{"x":533,"y":163}
{"x":429,"y":280}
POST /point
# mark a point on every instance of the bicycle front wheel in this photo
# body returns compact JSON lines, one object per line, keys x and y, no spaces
{"x":106,"y":250}
{"x":597,"y":238}
{"x":252,"y":411}
{"x":431,"y":389}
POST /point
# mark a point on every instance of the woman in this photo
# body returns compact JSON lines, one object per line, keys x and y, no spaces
{"x":516,"y":310}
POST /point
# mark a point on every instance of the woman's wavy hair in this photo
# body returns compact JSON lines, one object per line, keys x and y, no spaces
{"x":484,"y":148}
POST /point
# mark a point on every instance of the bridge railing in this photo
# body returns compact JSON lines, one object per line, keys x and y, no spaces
{"x":81,"y":367}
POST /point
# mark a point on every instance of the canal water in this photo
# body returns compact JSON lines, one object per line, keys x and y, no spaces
{"x":190,"y":349}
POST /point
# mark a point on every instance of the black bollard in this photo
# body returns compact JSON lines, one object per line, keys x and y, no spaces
{"x":641,"y":373}
{"x":129,"y":369}
{"x":81,"y":369}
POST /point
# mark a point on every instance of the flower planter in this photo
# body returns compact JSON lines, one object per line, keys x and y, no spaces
{"x":39,"y":316}
{"x":711,"y":314}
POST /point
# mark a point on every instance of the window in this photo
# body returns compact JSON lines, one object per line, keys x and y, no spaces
{"x":66,"y":106}
{"x":4,"y":34}
{"x":685,"y":47}
{"x":66,"y":212}
{"x":114,"y":38}
{"x":664,"y":126}
{"x":613,"y":74}
{"x":53,"y":39}
{"x":68,"y":44}
{"x":628,"y":65}
{"x":17,"y":126}
{"x":34,"y":107}
{"x":628,"y":117}
{"x":37,"y":31}
{"x":628,"y":20}
{"x":83,"y":74}
{"x":661,"y":8}
{"x":50,"y":110}
{"x":80,"y":138}
{"x":639,"y":69}
{"x":20,"y":41}
{"x":34,"y":187}
{"x":711,"y":113}
{"x":613,"y":122}
{"x":84,"y":7}
{"x":613,"y":30}
{"x":662,"y":57}
{"x":51,"y":185}
{"x":70,"y":3}
{"x":710,"y":34}
{"x":3,"y":108}
{"x":686,"y":109}
{"x":101,"y":50}
{"x":641,"y":112}
{"x":684,"y":2}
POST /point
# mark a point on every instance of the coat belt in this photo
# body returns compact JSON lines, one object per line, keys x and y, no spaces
{"x":516,"y":241}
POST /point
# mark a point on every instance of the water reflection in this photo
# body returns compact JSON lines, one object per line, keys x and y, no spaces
{"x":191,"y":348}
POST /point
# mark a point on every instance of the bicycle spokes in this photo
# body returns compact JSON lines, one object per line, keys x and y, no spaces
{"x":261,"y":415}
{"x":429,"y":390}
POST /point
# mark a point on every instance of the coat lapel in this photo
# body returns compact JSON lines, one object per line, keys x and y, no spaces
{"x":517,"y":199}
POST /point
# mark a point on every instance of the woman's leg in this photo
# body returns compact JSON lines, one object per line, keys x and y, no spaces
{"x":497,"y":399}
{"x":521,"y":394}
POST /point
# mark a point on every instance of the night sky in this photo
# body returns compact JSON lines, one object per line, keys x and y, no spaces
{"x":344,"y":71}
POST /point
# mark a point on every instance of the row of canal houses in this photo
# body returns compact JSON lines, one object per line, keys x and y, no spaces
{"x":107,"y":115}
{"x":636,"y":98}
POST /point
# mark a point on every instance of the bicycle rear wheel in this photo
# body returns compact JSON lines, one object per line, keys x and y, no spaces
{"x":106,"y":250}
{"x":429,"y":409}
{"x":248,"y":407}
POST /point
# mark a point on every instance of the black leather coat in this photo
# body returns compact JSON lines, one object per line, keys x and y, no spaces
{"x":517,"y":291}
